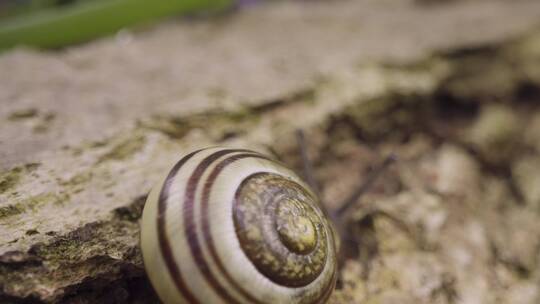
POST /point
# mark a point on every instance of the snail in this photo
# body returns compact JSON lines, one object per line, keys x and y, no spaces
{"x":234,"y":226}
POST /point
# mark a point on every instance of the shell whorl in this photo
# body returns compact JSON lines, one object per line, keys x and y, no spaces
{"x":233,"y":226}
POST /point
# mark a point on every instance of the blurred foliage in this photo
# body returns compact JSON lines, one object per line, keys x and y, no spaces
{"x":9,"y":8}
{"x":57,"y":23}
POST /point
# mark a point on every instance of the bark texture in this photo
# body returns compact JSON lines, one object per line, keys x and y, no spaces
{"x":452,"y":87}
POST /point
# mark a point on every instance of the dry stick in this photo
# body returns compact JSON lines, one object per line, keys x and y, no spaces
{"x":350,"y":201}
{"x":306,"y":163}
{"x":338,"y":216}
{"x":372,"y":177}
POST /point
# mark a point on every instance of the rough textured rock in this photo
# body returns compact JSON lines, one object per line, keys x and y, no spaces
{"x":86,"y":131}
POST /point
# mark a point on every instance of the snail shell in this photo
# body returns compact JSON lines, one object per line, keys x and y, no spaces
{"x":233,"y":226}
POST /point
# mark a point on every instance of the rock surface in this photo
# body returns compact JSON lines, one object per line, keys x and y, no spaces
{"x":86,"y":131}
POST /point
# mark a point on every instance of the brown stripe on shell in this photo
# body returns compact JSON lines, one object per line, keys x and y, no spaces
{"x":164,"y":244}
{"x":206,"y":223}
{"x":190,"y":225}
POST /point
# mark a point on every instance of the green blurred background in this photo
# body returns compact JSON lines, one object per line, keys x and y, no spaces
{"x":57,"y":23}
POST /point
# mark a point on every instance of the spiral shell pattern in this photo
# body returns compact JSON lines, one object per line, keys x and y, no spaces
{"x":233,"y":226}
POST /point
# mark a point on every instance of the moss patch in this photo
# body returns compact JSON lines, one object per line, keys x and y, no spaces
{"x":78,"y":179}
{"x":11,"y":178}
{"x":11,"y":210}
{"x":23,"y":114}
{"x":224,"y":124}
{"x":131,"y":212}
{"x":45,"y":123}
{"x":125,"y":148}
{"x":32,"y":203}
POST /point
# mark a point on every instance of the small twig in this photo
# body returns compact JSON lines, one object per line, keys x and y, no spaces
{"x":340,"y":221}
{"x":306,"y":163}
{"x":365,"y":186}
